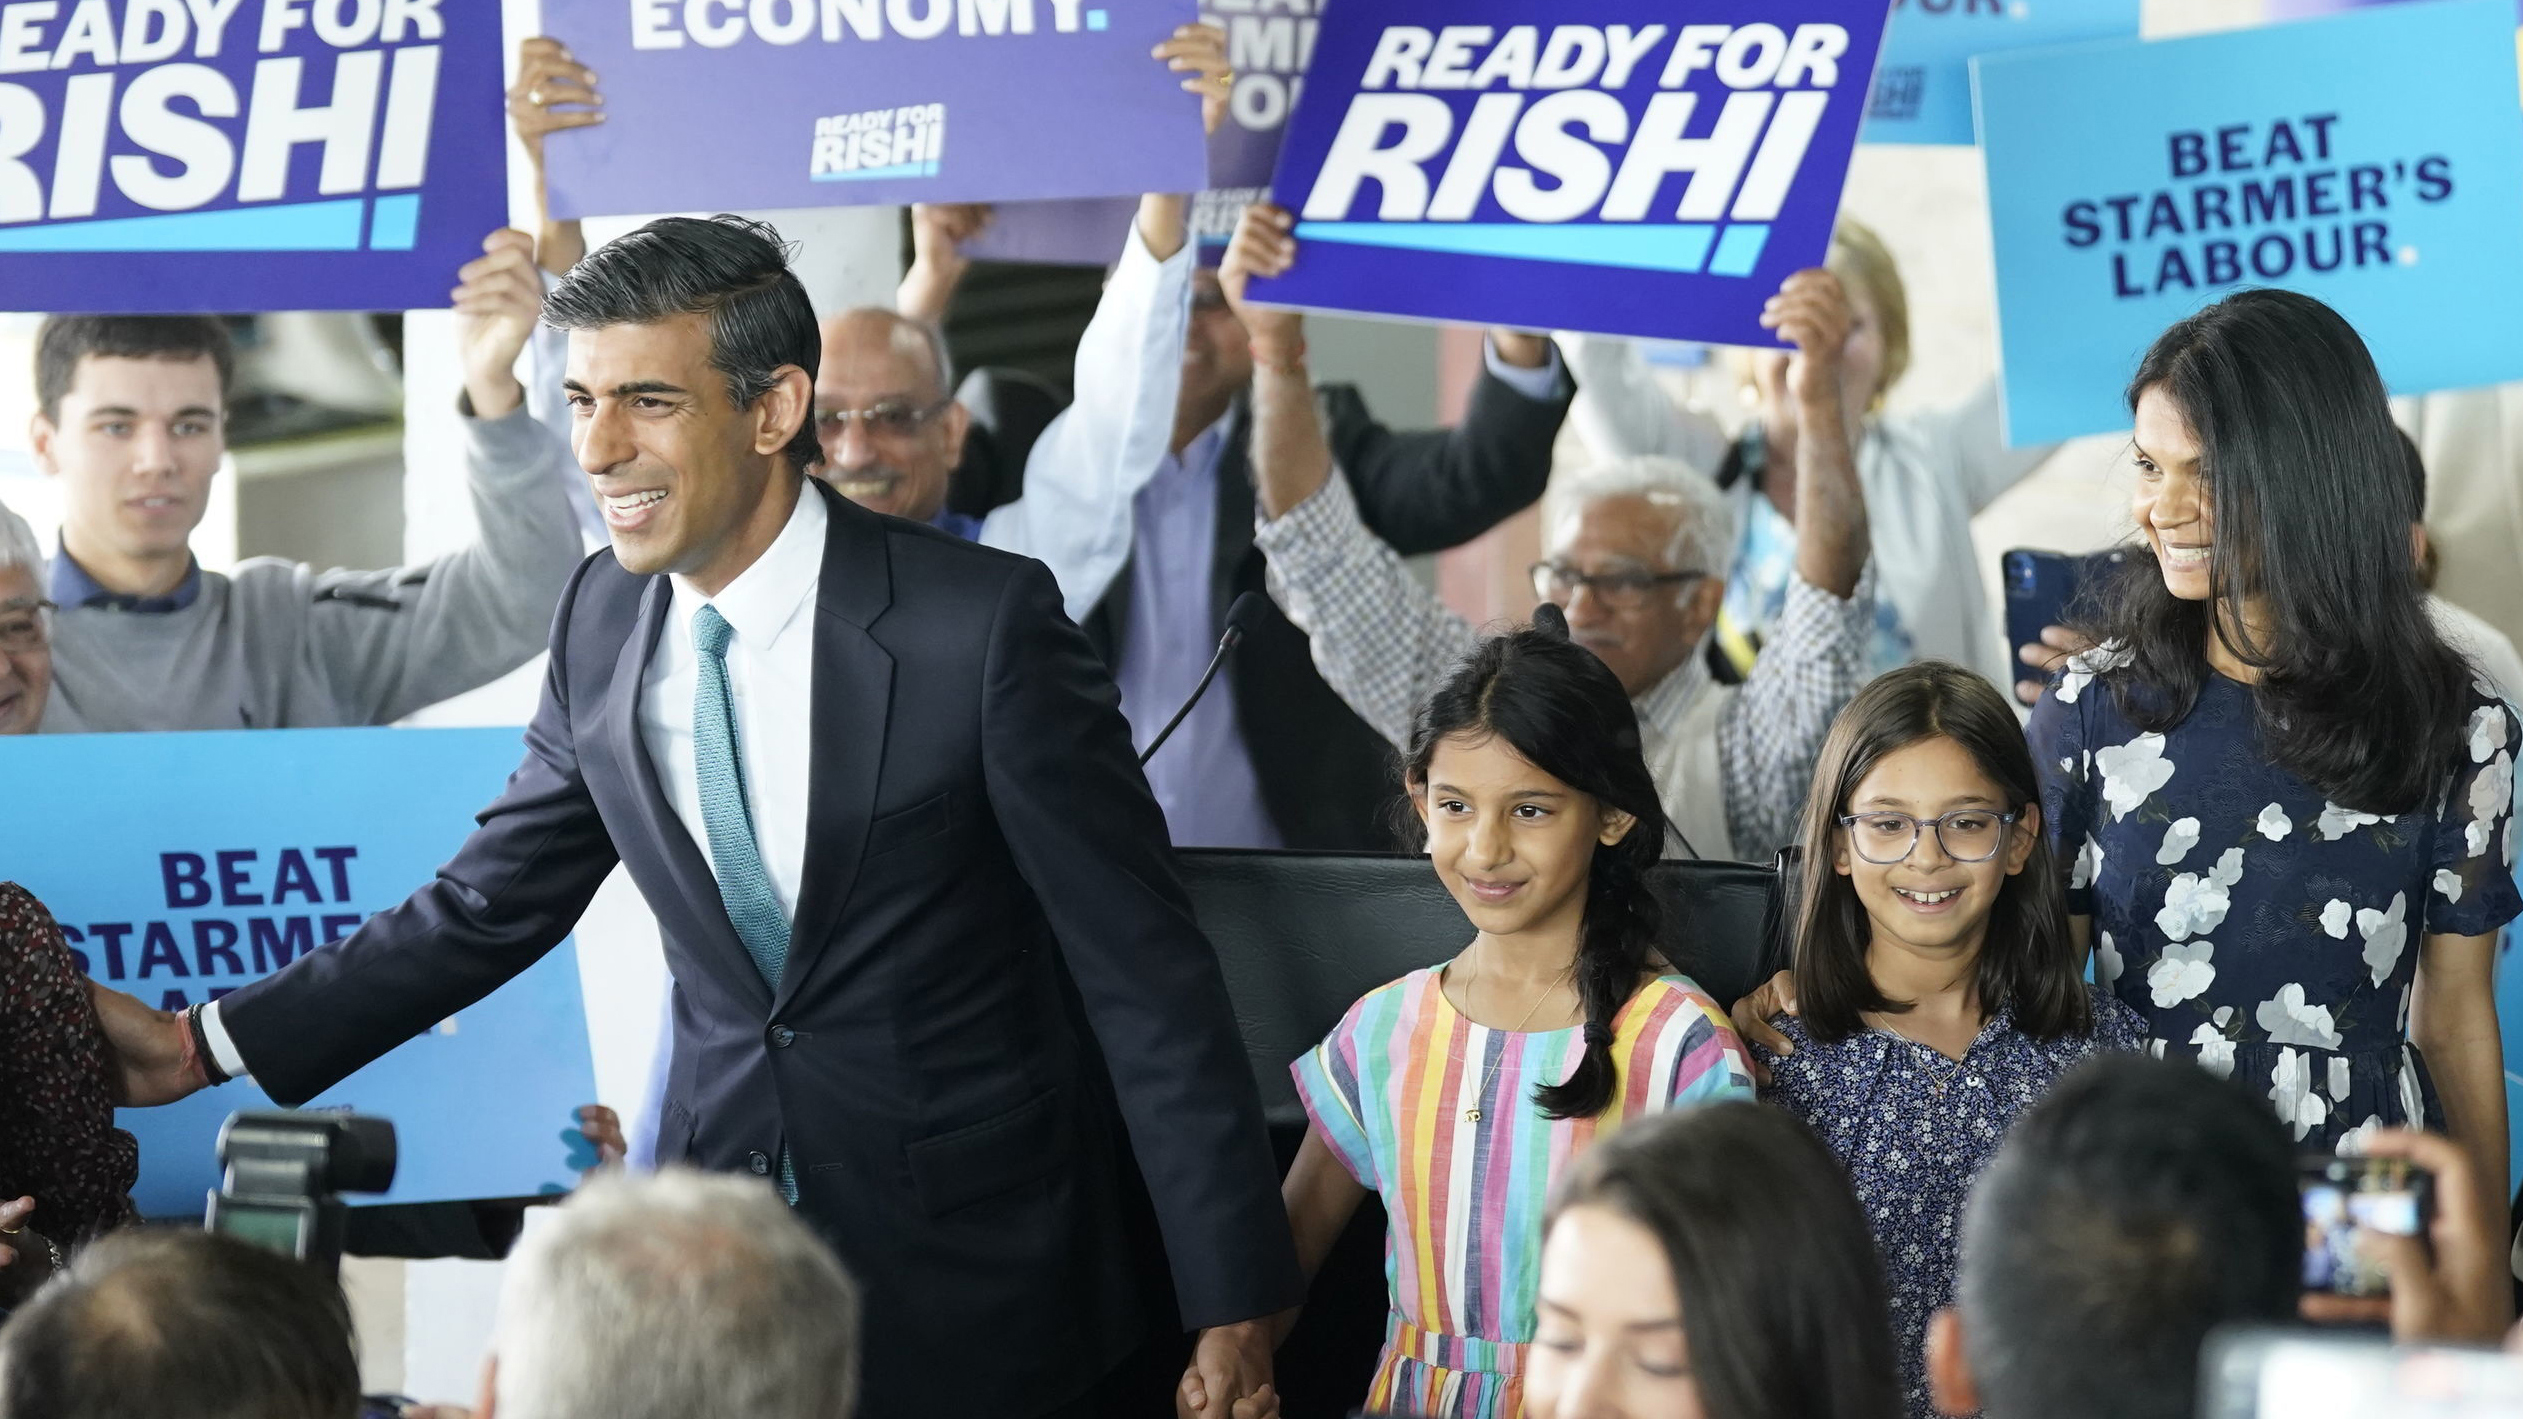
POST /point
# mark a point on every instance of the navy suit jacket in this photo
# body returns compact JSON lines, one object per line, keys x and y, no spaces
{"x":993,"y":974}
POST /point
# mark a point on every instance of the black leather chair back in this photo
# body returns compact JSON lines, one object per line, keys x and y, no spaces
{"x":1302,"y":935}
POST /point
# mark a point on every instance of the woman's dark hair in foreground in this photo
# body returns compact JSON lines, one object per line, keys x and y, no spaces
{"x":2305,"y":471}
{"x":1561,"y":710}
{"x":1783,"y":1306}
{"x":2028,"y":958}
{"x":731,"y":269}
{"x":166,"y":1321}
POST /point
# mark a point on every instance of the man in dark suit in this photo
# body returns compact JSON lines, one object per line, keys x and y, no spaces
{"x":930,"y":959}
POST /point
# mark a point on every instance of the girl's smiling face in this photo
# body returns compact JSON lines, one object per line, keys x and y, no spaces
{"x":1513,"y":844}
{"x":1932,"y":899}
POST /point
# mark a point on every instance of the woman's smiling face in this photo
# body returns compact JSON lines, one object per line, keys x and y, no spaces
{"x":2171,"y":504}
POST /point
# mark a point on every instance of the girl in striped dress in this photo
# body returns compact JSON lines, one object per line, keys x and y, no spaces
{"x":1459,"y":1093}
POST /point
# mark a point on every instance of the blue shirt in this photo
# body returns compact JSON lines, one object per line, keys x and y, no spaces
{"x":1204,"y":779}
{"x":70,"y":585}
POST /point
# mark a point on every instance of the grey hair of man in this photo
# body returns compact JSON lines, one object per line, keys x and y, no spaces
{"x":1703,"y":538}
{"x":674,"y":1294}
{"x":18,"y":547}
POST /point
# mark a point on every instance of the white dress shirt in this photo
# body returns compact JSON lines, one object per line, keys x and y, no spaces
{"x":770,"y":680}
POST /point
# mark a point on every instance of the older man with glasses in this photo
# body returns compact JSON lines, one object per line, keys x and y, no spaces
{"x":1636,"y":555}
{"x":26,"y":652}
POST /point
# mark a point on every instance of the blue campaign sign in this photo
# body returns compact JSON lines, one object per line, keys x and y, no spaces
{"x":1620,"y":166}
{"x":849,"y":102}
{"x":182,"y":866}
{"x":210,"y":155}
{"x":1922,"y":91}
{"x":2373,"y":161}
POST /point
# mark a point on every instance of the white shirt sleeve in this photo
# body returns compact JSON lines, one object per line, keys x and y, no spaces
{"x":223,"y":1050}
{"x":1093,"y":458}
{"x":1622,"y":412}
{"x":1541,"y":386}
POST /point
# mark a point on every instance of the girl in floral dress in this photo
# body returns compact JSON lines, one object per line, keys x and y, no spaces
{"x":1936,"y":971}
{"x":1460,"y":1092}
{"x":2287,"y":803}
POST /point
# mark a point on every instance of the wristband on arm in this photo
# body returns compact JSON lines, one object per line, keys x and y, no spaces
{"x":198,"y":1054}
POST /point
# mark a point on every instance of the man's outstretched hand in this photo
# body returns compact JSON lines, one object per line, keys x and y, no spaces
{"x":149,"y":1050}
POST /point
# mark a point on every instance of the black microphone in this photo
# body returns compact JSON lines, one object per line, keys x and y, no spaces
{"x":1246,"y":608}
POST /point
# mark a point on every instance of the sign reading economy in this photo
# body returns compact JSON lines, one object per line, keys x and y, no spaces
{"x":2373,"y":161}
{"x":1922,"y":91}
{"x":849,"y":102}
{"x":224,"y":155}
{"x":1656,"y":169}
{"x":182,"y":866}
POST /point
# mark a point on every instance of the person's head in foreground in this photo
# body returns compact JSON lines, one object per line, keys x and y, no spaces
{"x":691,"y":371}
{"x":2139,"y":1206}
{"x":2275,"y":509}
{"x":672,"y":1295}
{"x":1927,"y":811}
{"x":180,"y":1324}
{"x":1542,"y":821}
{"x":131,"y":418}
{"x":26,"y":652}
{"x":885,"y":413}
{"x":1635,"y":551}
{"x":1710,"y":1264}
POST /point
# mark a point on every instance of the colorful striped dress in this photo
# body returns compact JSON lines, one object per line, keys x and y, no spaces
{"x":1388,"y":1090}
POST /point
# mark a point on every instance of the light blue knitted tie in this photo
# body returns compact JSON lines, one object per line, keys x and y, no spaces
{"x":744,"y":884}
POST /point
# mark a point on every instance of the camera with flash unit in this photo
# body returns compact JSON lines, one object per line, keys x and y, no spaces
{"x":283,"y":1173}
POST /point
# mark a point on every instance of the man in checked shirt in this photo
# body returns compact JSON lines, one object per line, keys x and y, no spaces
{"x":1635,"y":552}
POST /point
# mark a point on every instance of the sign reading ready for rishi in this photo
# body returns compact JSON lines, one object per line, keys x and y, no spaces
{"x":192,"y":155}
{"x":2373,"y":161}
{"x":714,"y":104}
{"x":1622,"y":167}
{"x":181,"y":866}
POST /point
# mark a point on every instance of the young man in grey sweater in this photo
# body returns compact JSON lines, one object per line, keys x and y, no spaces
{"x":131,"y":419}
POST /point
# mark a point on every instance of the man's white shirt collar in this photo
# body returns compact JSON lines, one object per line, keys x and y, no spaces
{"x":765,"y":597}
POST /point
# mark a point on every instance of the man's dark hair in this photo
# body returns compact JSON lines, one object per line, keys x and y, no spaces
{"x":734,"y":271}
{"x":157,"y":1322}
{"x":65,"y":340}
{"x":2139,"y":1206}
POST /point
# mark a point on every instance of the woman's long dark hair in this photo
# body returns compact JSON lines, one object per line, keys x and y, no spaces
{"x":1783,"y":1304}
{"x":2358,"y":694}
{"x":1558,"y":706}
{"x":2027,"y":956}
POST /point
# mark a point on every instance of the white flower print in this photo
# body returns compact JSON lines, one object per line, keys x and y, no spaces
{"x":2337,"y":822}
{"x":2181,"y":973}
{"x":2385,"y":932}
{"x":2073,"y":683}
{"x":2448,"y":883}
{"x":2274,"y":823}
{"x":2133,"y":771}
{"x":2107,"y":962}
{"x":2228,"y":869}
{"x":2291,"y":1090}
{"x":2193,"y":906}
{"x":2491,"y":791}
{"x":2289,"y":1020}
{"x":2336,"y":916}
{"x":2216,"y":1053}
{"x":2155,"y":1048}
{"x":2353,"y":1142}
{"x":2179,"y":839}
{"x":2413,"y":1103}
{"x":2487,"y":732}
{"x":2339,"y":1078}
{"x":2087,"y":867}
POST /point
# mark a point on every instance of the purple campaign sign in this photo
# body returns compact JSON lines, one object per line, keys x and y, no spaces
{"x":712,"y":104}
{"x":1649,"y":169}
{"x":285,"y":155}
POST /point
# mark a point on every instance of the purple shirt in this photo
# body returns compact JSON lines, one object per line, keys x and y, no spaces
{"x":1204,"y":777}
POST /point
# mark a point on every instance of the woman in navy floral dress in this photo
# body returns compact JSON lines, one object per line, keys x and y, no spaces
{"x":1935,"y":970}
{"x":2288,"y":805}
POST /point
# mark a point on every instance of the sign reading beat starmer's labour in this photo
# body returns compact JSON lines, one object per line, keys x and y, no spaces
{"x":1652,"y":173}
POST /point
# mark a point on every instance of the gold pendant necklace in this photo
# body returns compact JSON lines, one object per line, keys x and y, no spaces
{"x":1473,"y":1114}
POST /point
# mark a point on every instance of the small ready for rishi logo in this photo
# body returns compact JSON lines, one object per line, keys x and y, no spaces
{"x":882,"y":142}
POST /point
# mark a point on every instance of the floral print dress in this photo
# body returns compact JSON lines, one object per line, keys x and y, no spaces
{"x":2255,"y":924}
